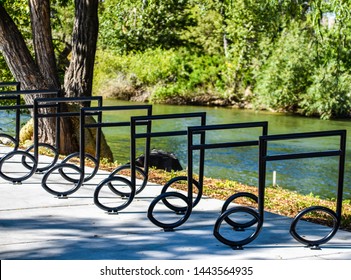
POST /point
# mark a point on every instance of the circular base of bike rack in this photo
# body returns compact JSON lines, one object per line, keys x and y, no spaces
{"x":22,"y":154}
{"x":125,"y":202}
{"x":174,"y":180}
{"x":314,"y":243}
{"x":237,"y":244}
{"x":59,"y":168}
{"x":162,"y":197}
{"x":45,"y":167}
{"x":86,"y":178}
{"x":125,"y":167}
{"x":236,"y":225}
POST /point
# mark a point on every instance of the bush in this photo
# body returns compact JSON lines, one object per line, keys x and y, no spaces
{"x":135,"y":71}
{"x":330,"y":93}
{"x":165,"y":73}
{"x":286,"y":75}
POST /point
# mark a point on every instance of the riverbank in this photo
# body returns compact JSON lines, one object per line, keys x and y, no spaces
{"x":199,"y":99}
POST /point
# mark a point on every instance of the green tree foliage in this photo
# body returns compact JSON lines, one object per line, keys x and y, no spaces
{"x":169,"y":74}
{"x":247,"y":26}
{"x":308,"y":70}
{"x":330,"y":92}
{"x":285,"y":76}
{"x":130,"y":26}
{"x":206,"y":37}
{"x":20,"y":11}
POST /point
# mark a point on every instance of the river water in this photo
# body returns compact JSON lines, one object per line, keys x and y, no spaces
{"x":317,"y":176}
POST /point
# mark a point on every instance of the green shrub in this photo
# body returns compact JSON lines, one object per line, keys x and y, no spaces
{"x":330,"y":93}
{"x":286,"y":75}
{"x":137,"y":70}
{"x":166,"y":73}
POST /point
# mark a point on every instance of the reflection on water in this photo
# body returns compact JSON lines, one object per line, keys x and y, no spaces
{"x":317,"y":175}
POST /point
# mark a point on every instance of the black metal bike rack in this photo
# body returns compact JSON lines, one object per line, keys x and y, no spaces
{"x":264,"y":157}
{"x":114,"y":178}
{"x":202,"y":130}
{"x":136,"y":121}
{"x":201,"y":147}
{"x":25,"y":155}
{"x":59,"y":113}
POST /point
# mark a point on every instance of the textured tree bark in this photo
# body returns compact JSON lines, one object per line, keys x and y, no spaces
{"x":78,"y":79}
{"x":79,"y":75}
{"x":43,"y":43}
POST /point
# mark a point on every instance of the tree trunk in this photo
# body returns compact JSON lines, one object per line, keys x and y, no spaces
{"x":79,"y":76}
{"x":42,"y":41}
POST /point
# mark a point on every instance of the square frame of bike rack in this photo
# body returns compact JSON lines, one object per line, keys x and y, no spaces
{"x":143,"y":120}
{"x":207,"y":146}
{"x":100,"y":124}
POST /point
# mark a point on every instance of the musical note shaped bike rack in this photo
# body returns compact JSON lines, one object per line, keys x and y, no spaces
{"x":114,"y":185}
{"x":199,"y":117}
{"x":264,"y":157}
{"x":73,"y":175}
{"x":29,"y":161}
{"x":202,"y":146}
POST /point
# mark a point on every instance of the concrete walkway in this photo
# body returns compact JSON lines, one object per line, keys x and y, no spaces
{"x":36,"y":225}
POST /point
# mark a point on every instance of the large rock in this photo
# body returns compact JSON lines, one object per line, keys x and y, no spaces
{"x":160,"y":160}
